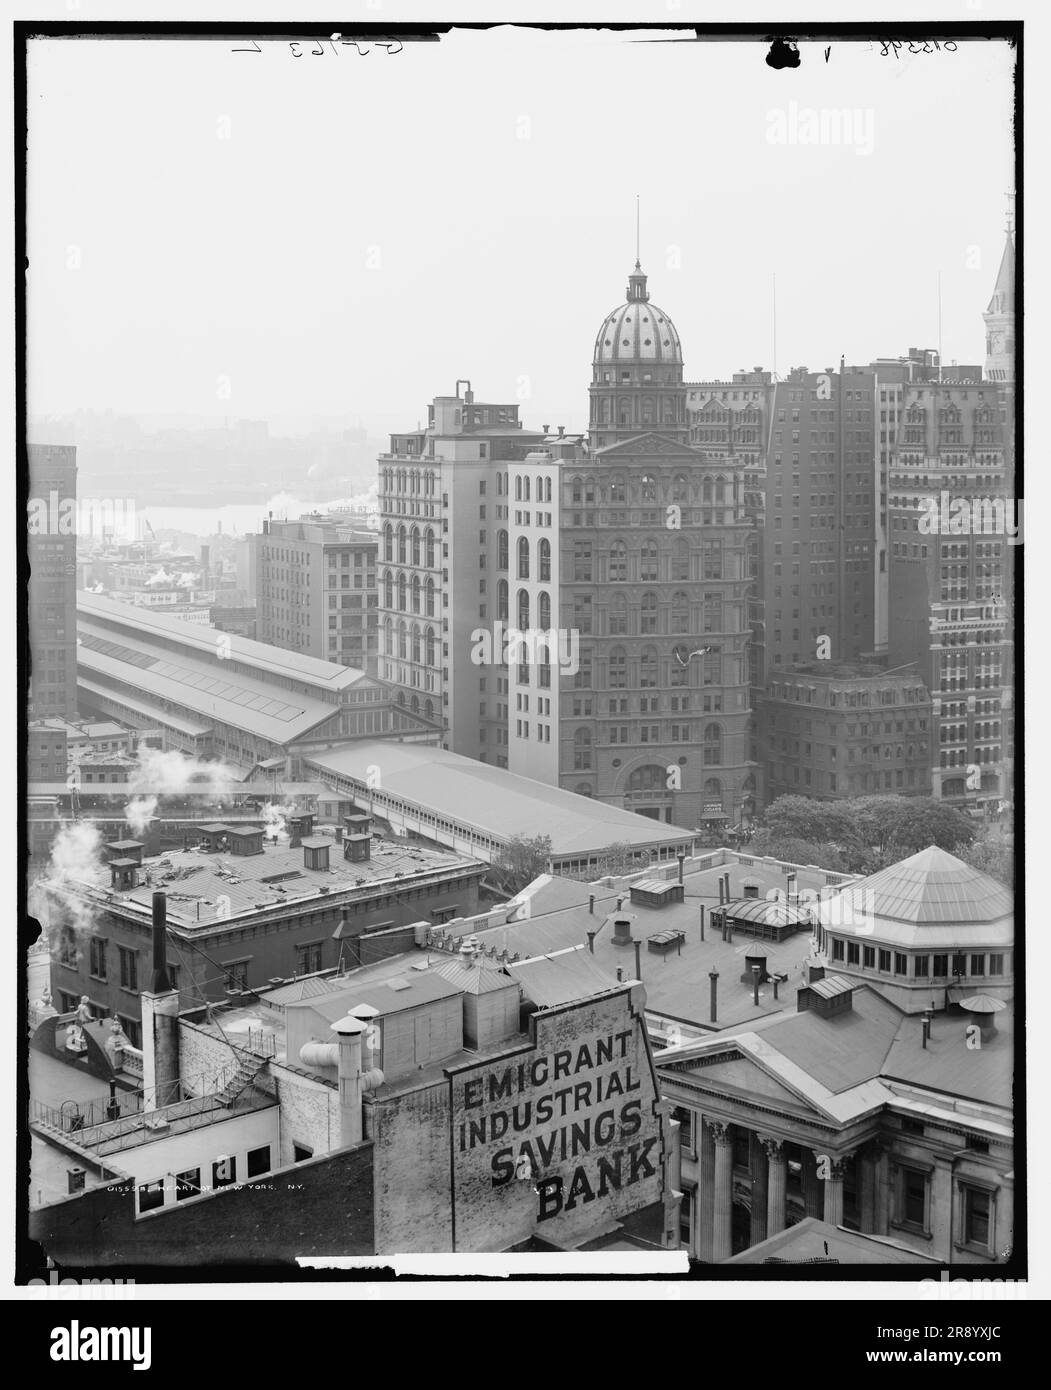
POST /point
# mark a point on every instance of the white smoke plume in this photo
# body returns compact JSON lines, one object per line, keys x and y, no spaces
{"x":171,"y":774}
{"x":139,"y":811}
{"x":274,"y":817}
{"x":55,"y":898}
{"x":160,"y":576}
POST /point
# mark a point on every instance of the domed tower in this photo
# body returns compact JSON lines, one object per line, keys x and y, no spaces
{"x":636,"y":384}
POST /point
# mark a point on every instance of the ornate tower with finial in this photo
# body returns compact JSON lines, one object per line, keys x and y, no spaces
{"x":1000,"y":317}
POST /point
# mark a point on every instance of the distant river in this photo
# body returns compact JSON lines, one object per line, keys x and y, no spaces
{"x":238,"y":518}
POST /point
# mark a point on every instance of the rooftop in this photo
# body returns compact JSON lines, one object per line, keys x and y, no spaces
{"x":814,"y":1242}
{"x":199,"y":883}
{"x":556,"y":918}
{"x":493,"y":801}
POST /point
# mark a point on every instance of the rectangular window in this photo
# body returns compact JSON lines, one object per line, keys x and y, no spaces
{"x":868,"y":957}
{"x":884,"y":960}
{"x":853,"y":953}
{"x":151,"y":1195}
{"x":308,"y":958}
{"x":300,"y":1153}
{"x":901,"y":963}
{"x":941,"y":966}
{"x":258,"y":1161}
{"x":977,"y":964}
{"x":921,"y":967}
{"x":996,"y":964}
{"x":129,"y":968}
{"x":837,"y":950}
{"x":97,"y":947}
{"x":132,"y":1029}
{"x":188,"y":1184}
{"x":236,"y":974}
{"x":913,"y":1198}
{"x":977,"y":1216}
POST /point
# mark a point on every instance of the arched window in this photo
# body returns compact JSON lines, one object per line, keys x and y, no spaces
{"x":648,"y":562}
{"x":651,"y":777}
{"x":649,"y":487}
{"x":618,"y":489}
{"x":582,"y":749}
{"x":429,"y":646}
{"x":706,"y":491}
{"x":401,"y":545}
{"x":388,"y":637}
{"x":429,"y":597}
{"x":401,"y":593}
{"x":680,"y":488}
{"x":388,"y":542}
{"x":713,"y":790}
{"x":414,"y":704}
{"x":543,"y":666}
{"x":523,"y":609}
{"x":545,"y":551}
{"x":388,"y":589}
{"x":680,"y":611}
{"x":543,"y":613}
{"x":403,"y":642}
{"x":428,"y":548}
{"x":525,"y":488}
{"x":618,"y":669}
{"x":648,"y":668}
{"x":415,"y":593}
{"x":713,"y":745}
{"x":428,"y":705}
{"x":648,"y":613}
{"x":415,"y":545}
{"x":648,"y":410}
{"x":523,"y":558}
{"x":618,"y":562}
{"x":501,"y":550}
{"x":518,"y":488}
{"x":501,"y":599}
{"x":680,"y":560}
{"x":576,"y":489}
{"x":618,"y":616}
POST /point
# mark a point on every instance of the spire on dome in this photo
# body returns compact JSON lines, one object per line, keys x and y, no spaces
{"x":637,"y":291}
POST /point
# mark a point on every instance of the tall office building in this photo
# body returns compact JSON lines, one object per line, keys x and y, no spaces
{"x":653,"y":581}
{"x":52,"y":591}
{"x":444,"y":550}
{"x":316,"y":590}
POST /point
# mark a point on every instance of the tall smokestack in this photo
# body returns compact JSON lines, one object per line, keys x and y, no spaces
{"x":713,"y":976}
{"x":638,"y":960}
{"x":160,"y":1022}
{"x":160,"y":980}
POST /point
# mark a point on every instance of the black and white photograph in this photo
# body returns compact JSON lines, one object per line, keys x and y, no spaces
{"x":519,"y":654}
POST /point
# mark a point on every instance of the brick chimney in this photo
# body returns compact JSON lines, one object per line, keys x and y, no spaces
{"x":160,"y":1021}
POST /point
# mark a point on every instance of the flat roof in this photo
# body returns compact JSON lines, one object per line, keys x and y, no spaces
{"x":494,"y":801}
{"x":192,"y":728}
{"x":677,"y":984}
{"x":196,"y":879}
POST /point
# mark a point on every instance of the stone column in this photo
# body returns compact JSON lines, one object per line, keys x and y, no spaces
{"x":867,"y":1189}
{"x":813,"y":1194}
{"x":672,"y":1183}
{"x":758,"y":1169}
{"x":881,"y":1181}
{"x":722,"y":1213}
{"x":834,"y":1191}
{"x":703,"y":1224}
{"x":777,"y":1185}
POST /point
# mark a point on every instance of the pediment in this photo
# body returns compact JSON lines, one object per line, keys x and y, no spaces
{"x":734,"y":1073}
{"x":646,"y":444}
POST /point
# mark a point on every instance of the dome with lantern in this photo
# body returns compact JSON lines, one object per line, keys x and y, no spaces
{"x":638,"y":331}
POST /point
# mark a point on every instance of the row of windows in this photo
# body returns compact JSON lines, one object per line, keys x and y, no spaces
{"x":974,"y":964}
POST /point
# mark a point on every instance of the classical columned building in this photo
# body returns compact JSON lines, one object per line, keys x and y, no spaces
{"x":653,"y":583}
{"x":851,"y":1113}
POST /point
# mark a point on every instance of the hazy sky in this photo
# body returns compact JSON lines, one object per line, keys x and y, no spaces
{"x":256,"y":235}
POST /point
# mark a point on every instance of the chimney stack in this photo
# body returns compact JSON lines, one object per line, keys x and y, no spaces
{"x":591,"y":942}
{"x":682,"y":860}
{"x":160,"y":1021}
{"x":713,"y":976}
{"x":638,"y":960}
